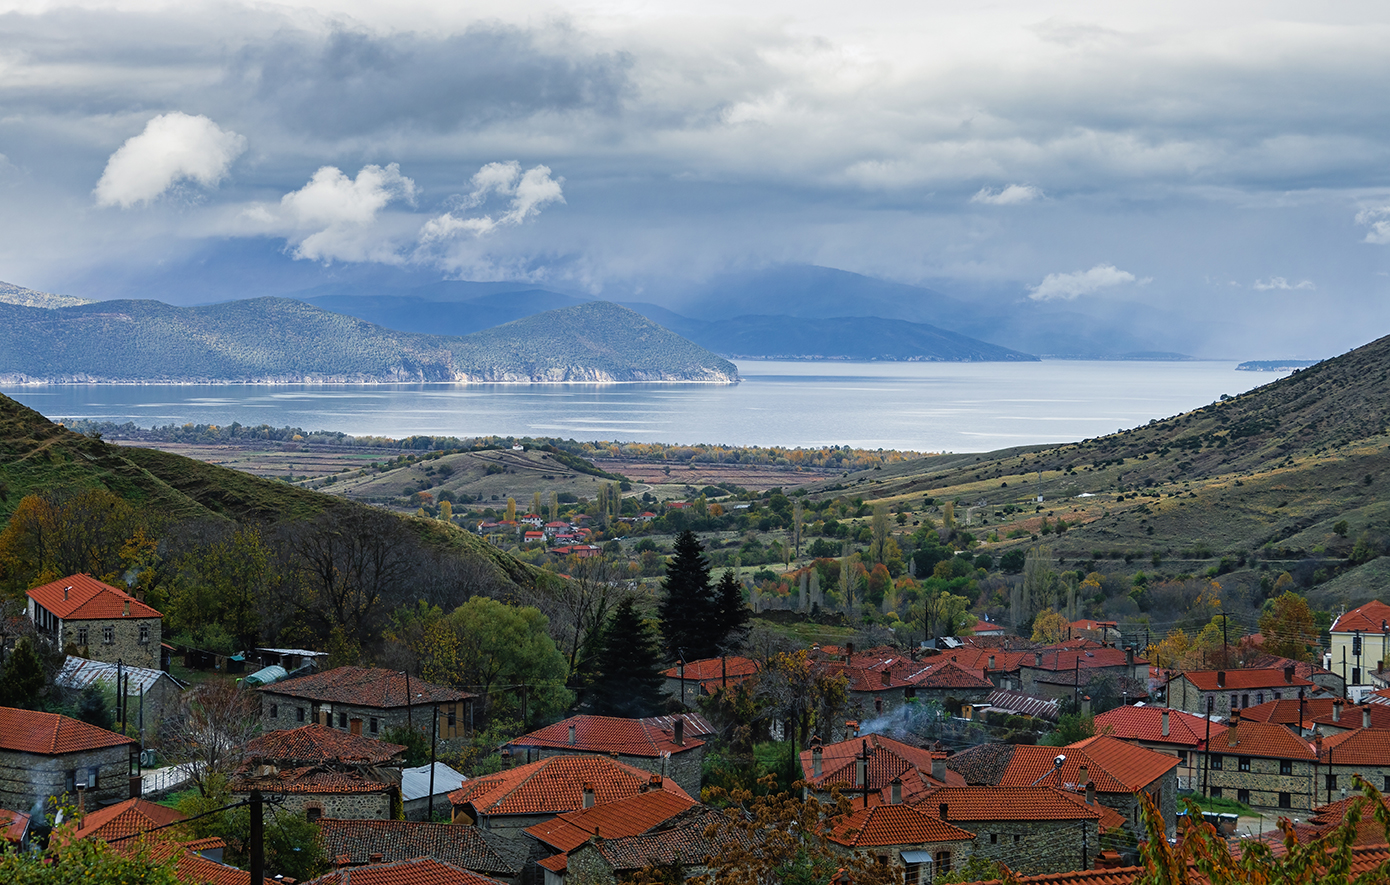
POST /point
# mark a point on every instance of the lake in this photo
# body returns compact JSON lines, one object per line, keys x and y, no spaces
{"x":936,"y":407}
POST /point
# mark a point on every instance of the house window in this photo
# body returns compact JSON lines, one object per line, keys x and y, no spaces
{"x":342,"y":720}
{"x":1259,"y":698}
{"x":1286,"y":767}
{"x":1216,"y":792}
{"x":1243,"y":796}
{"x":1278,"y":695}
{"x":108,"y":635}
{"x":915,"y":875}
{"x":453,"y":718}
{"x":374,"y":725}
{"x":878,"y":705}
{"x":313,"y":813}
{"x":144,"y":634}
{"x":1182,"y":756}
{"x":943,"y":862}
{"x":1244,"y":701}
{"x":1216,"y":762}
{"x":1285,"y":800}
{"x":1015,"y":838}
{"x":994,"y":838}
{"x":1331,"y":783}
{"x":1243,"y":763}
{"x":81,"y":635}
{"x":274,"y":711}
{"x":299,"y":714}
{"x":1235,"y":701}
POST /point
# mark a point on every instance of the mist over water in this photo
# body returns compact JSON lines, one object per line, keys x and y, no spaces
{"x":953,"y":407}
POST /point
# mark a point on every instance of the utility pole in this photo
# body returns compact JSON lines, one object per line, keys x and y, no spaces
{"x":1206,"y":756}
{"x":434,"y":741}
{"x":1225,"y":649}
{"x":257,"y":839}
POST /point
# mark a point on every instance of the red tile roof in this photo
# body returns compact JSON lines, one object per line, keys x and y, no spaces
{"x":714,"y":668}
{"x":314,"y":744}
{"x":1239,"y":680}
{"x":612,"y":820}
{"x":397,"y":840}
{"x":26,"y":731}
{"x":307,"y":779}
{"x":13,"y":825}
{"x":987,"y":627}
{"x":977,"y":658}
{"x":419,"y":871}
{"x":554,"y":786}
{"x":82,"y":597}
{"x":366,"y":687}
{"x":1368,"y":618}
{"x":894,"y":825}
{"x":1112,"y":765}
{"x":965,"y":804}
{"x":1260,"y":739}
{"x":1061,"y":658}
{"x":949,"y":674}
{"x":1116,"y":876}
{"x":1316,"y":711}
{"x":1364,"y":746}
{"x":192,"y":867}
{"x":687,"y":839}
{"x":889,"y":760}
{"x":611,"y":734}
{"x":126,"y":819}
{"x":1146,"y":724}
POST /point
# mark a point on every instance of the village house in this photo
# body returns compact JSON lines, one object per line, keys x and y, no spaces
{"x":1016,"y":703}
{"x":151,"y":694}
{"x":1032,"y":829}
{"x":1261,"y":764}
{"x":872,"y":768}
{"x":1000,"y":667}
{"x":551,"y":841}
{"x":1174,"y":732}
{"x":921,"y":845}
{"x":511,"y":800}
{"x":1218,"y":692}
{"x":1062,"y":672}
{"x":1328,"y":715}
{"x":681,"y":844}
{"x":45,"y":757}
{"x":1101,"y":631}
{"x":356,"y":843}
{"x":416,"y":789}
{"x":987,"y":628}
{"x":15,"y":828}
{"x":1252,"y":659}
{"x":416,"y":871}
{"x":669,"y":746}
{"x":96,"y":621}
{"x":322,"y":772}
{"x":1360,"y":645}
{"x":690,"y":681}
{"x":1364,"y":752}
{"x":368,"y":701}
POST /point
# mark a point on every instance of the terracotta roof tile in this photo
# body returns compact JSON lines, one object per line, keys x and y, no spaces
{"x":1062,"y":658}
{"x":611,"y":734}
{"x":1146,"y":724}
{"x":365,"y":687}
{"x":965,"y":804}
{"x":554,"y":786}
{"x":126,"y":819}
{"x":983,"y":765}
{"x":1112,"y":765}
{"x":688,"y":839}
{"x":888,"y":760}
{"x":976,"y":658}
{"x":1367,"y":618}
{"x":419,"y":871}
{"x":313,"y":744}
{"x":82,"y":597}
{"x":713,"y":668}
{"x":948,"y":674}
{"x":1316,"y":711}
{"x":307,"y":779}
{"x":1116,"y":876}
{"x":1364,"y":746}
{"x":13,"y":825}
{"x":397,"y":840}
{"x":1260,"y":739}
{"x":1240,"y":680}
{"x":49,"y":734}
{"x":611,"y":820}
{"x":894,"y":825}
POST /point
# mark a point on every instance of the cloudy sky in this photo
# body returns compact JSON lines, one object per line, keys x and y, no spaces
{"x":1228,"y":162}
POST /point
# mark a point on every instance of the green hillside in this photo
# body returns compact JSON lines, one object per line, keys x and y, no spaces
{"x":279,"y":340}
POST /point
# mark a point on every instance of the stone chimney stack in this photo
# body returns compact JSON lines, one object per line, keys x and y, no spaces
{"x":1083,"y":775}
{"x":1337,"y":710}
{"x":815,"y":757}
{"x":991,"y":662}
{"x":1366,"y":716}
{"x":1129,"y":656}
{"x":861,"y":766}
{"x":1165,"y":723}
{"x":678,"y":727}
{"x":588,"y":795}
{"x":1288,"y":675}
{"x":938,"y":769}
{"x":896,"y":793}
{"x":1232,"y":735}
{"x":572,"y":734}
{"x":1037,"y":659}
{"x":1091,"y":793}
{"x":1220,"y":678}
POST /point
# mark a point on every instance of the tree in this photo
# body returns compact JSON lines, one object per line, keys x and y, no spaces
{"x":72,"y":860}
{"x":789,"y":690}
{"x":1071,"y":727}
{"x":415,"y":741}
{"x":210,"y":730}
{"x":54,"y":534}
{"x":797,"y":519}
{"x":220,"y":586}
{"x":511,"y":510}
{"x":446,"y":511}
{"x":880,"y":531}
{"x":554,"y":506}
{"x":629,"y":680}
{"x":688,"y":610}
{"x":1288,"y":627}
{"x":1050,"y":627}
{"x":536,"y":504}
{"x":22,"y":679}
{"x":292,"y":845}
{"x":733,"y":612}
{"x":941,"y":612}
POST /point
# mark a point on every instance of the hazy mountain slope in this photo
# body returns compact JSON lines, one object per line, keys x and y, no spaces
{"x":275,"y":339}
{"x":850,"y":338}
{"x":441,"y":311}
{"x":12,"y":294}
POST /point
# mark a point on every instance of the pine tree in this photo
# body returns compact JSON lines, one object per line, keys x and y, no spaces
{"x":689,"y":611}
{"x":733,"y":614}
{"x":629,"y":680}
{"x":22,"y":680}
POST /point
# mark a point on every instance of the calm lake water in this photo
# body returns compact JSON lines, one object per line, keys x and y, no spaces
{"x":951,"y":407}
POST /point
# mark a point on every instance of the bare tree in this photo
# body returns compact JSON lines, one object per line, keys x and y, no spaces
{"x":210,"y":731}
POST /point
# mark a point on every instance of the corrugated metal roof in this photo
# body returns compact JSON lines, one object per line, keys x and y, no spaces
{"x":80,"y":673}
{"x":1020,"y":703}
{"x":415,"y":782}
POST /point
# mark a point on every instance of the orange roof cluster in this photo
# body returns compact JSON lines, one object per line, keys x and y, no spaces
{"x":949,"y":674}
{"x":1260,"y":739}
{"x":1373,"y":617}
{"x":715,"y":668}
{"x":366,"y":687}
{"x":611,"y":734}
{"x":419,"y":871}
{"x":555,"y":785}
{"x":314,"y":744}
{"x":1007,"y":803}
{"x":82,"y":597}
{"x":50,"y":734}
{"x":1240,"y":680}
{"x":1364,"y":746}
{"x":888,"y":760}
{"x":356,"y":841}
{"x":1317,"y":711}
{"x":899,"y":824}
{"x":1146,"y":724}
{"x":1112,"y":765}
{"x":612,"y":820}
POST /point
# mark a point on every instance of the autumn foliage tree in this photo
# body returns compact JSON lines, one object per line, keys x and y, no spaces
{"x":1050,"y":627}
{"x":1288,"y":628}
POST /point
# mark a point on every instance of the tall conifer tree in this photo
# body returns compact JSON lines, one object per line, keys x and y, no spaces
{"x":689,"y":611}
{"x":733,"y":614}
{"x":629,"y":680}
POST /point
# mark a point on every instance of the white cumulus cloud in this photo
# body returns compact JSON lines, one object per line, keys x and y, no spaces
{"x":529,"y":191}
{"x":1009,"y":196}
{"x":1068,"y":286}
{"x":335,"y":217}
{"x":1379,"y":220}
{"x":1282,"y":283}
{"x":174,"y":147}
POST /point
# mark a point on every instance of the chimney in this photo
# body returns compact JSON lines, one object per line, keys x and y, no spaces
{"x":815,"y":759}
{"x":1220,"y":678}
{"x":885,"y":677}
{"x":849,"y":650}
{"x":1129,"y":656}
{"x":1037,"y":659}
{"x":896,"y":794}
{"x":1288,"y":675}
{"x":655,"y":783}
{"x":1085,"y":705}
{"x":588,"y":795}
{"x":678,"y":727}
{"x":938,"y":769}
{"x":377,"y":857}
{"x":943,"y":808}
{"x":1165,"y":723}
{"x":65,"y":592}
{"x":1083,"y":775}
{"x":571,"y":734}
{"x":127,"y":609}
{"x":1337,"y":710}
{"x":1233,"y":736}
{"x":860,"y":771}
{"x":1366,"y":716}
{"x":991,"y":662}
{"x":1091,"y":793}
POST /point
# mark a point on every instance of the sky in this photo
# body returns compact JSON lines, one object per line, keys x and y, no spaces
{"x":1225,"y":163}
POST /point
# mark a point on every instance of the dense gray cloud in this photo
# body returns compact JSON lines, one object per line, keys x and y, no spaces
{"x":1228,"y":156}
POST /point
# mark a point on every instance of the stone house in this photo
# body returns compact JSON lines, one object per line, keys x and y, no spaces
{"x":322,"y":772}
{"x":1061,"y":671}
{"x":510,"y":801}
{"x":368,"y":701}
{"x":152,"y":694}
{"x":682,"y":843}
{"x":872,"y":768}
{"x":416,"y":871}
{"x":45,"y":756}
{"x":1174,"y":732}
{"x":1364,"y":752}
{"x":898,"y":835}
{"x":1261,"y":764}
{"x":1253,"y":659}
{"x":1227,"y":690}
{"x":549,"y":843}
{"x":692,"y":680}
{"x":97,"y":621}
{"x":1328,"y":716}
{"x":669,"y":746}
{"x":1000,"y":666}
{"x":355,"y":843}
{"x":1032,"y":829}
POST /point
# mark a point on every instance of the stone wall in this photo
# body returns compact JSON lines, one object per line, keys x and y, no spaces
{"x":125,"y":644}
{"x":279,"y":711}
{"x":26,"y":778}
{"x":960,"y":852}
{"x":340,"y":806}
{"x":1264,"y":781}
{"x":1034,"y":847}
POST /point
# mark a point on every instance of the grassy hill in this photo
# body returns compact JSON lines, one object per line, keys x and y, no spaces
{"x":280,"y":340}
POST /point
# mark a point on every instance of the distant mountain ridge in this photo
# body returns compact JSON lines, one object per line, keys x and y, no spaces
{"x":12,"y":294}
{"x":278,"y":340}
